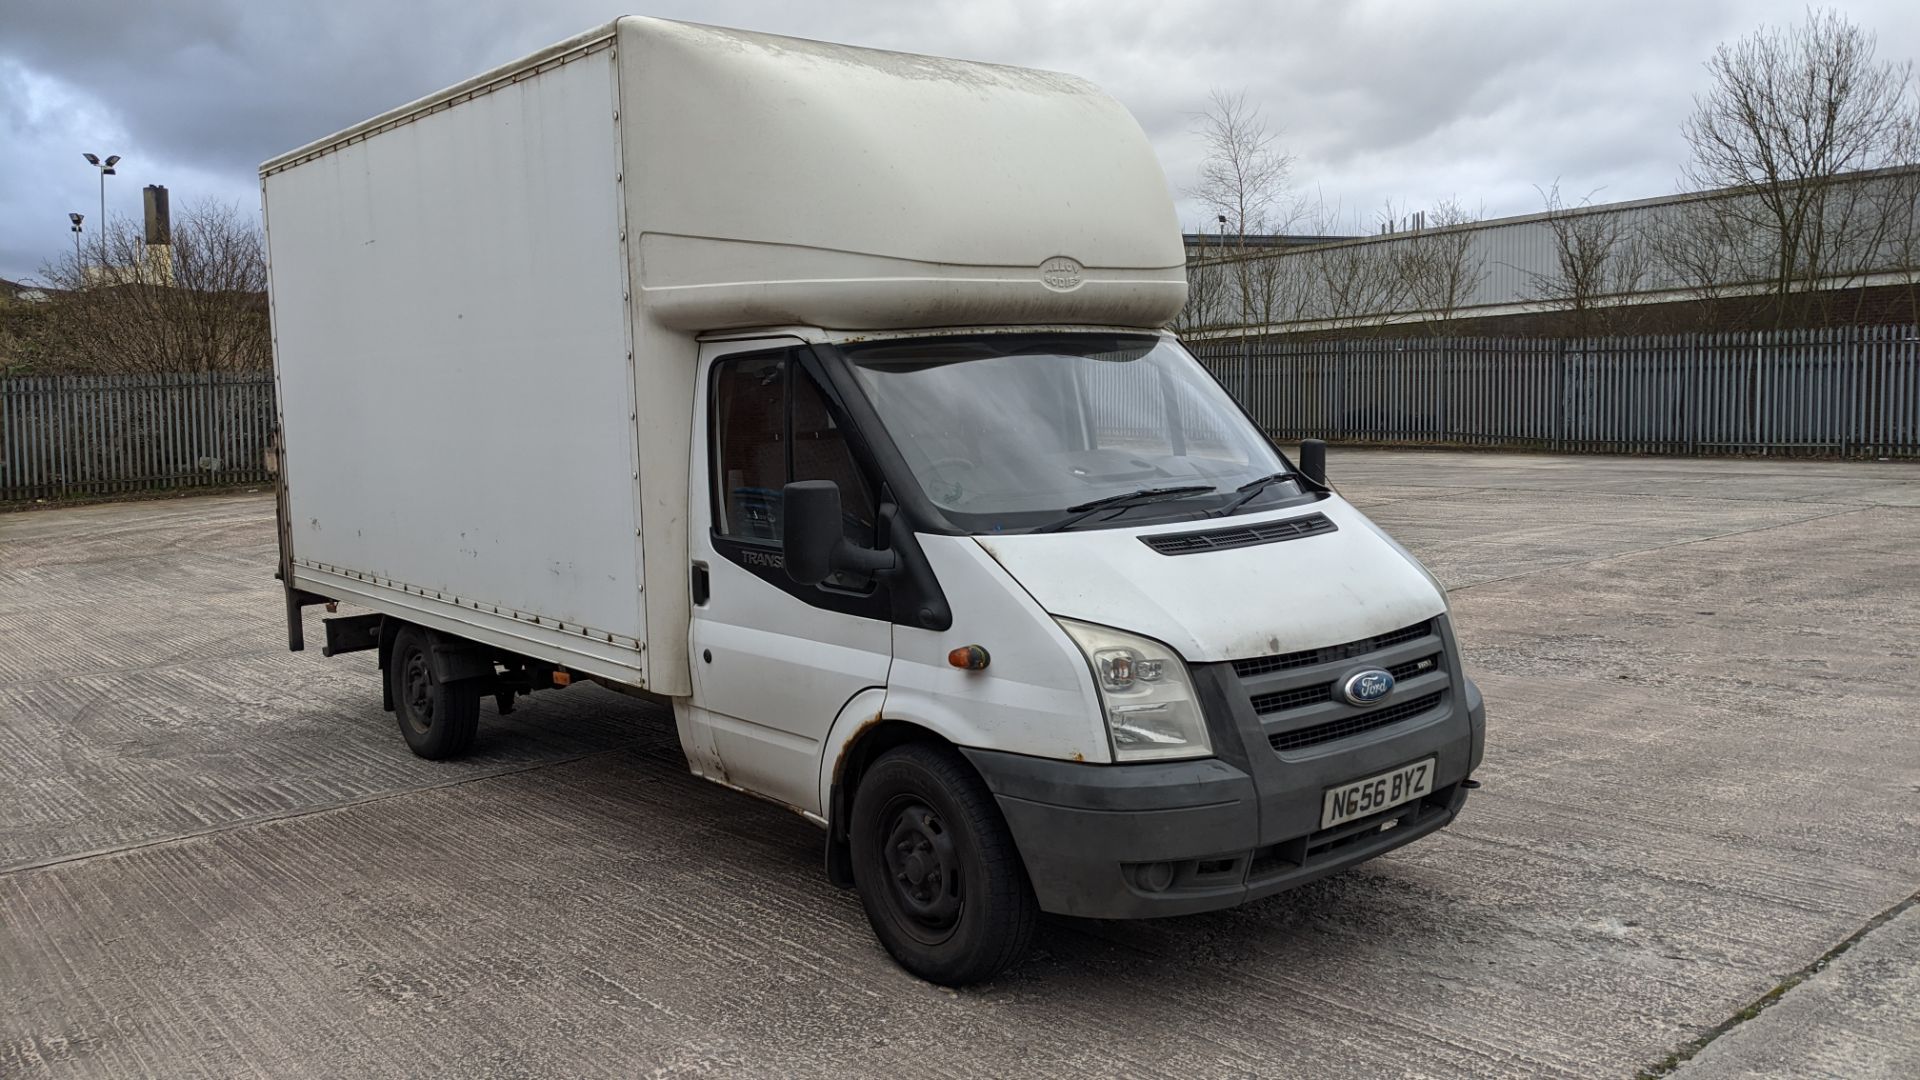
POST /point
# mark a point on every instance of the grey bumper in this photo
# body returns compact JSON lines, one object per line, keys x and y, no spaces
{"x":1175,"y":838}
{"x":1089,"y":833}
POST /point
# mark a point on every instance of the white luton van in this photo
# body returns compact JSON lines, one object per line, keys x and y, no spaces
{"x":822,"y":391}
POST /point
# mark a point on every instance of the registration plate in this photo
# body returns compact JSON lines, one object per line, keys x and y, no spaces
{"x":1376,"y":793}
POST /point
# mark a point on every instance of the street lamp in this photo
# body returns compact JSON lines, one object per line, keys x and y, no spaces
{"x":106,"y":170}
{"x":76,"y":219}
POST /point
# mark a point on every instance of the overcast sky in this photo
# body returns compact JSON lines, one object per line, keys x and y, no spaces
{"x":1411,"y":101}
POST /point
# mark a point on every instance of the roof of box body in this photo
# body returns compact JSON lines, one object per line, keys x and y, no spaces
{"x":599,"y":37}
{"x":780,"y":180}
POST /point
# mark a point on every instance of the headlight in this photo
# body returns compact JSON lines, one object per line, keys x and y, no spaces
{"x":1152,"y":713}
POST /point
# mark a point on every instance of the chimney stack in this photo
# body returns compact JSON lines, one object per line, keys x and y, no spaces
{"x":159,"y":222}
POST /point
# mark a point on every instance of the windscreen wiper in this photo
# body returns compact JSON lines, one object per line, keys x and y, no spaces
{"x":1251,"y":488}
{"x":1121,"y":501}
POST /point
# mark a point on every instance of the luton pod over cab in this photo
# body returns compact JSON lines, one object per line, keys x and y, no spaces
{"x":823,"y":392}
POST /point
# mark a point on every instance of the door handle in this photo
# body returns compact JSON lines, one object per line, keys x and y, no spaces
{"x":700,"y":584}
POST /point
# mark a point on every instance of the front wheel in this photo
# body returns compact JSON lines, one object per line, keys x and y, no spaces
{"x":936,"y":868}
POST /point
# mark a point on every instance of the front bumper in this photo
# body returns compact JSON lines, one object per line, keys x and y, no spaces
{"x":1175,"y":838}
{"x":1089,"y":854}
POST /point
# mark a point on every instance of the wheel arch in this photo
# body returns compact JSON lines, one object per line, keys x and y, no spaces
{"x":867,"y":735}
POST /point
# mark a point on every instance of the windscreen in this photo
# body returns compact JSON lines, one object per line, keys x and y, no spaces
{"x":1016,"y":432}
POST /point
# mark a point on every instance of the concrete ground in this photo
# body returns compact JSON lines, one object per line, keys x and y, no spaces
{"x":1702,"y":786}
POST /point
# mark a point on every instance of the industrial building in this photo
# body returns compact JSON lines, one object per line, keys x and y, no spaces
{"x":1711,"y":260}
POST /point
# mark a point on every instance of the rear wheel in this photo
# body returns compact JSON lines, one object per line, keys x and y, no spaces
{"x":437,"y":719}
{"x":936,"y":868}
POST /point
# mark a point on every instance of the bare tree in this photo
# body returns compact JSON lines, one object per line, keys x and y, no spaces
{"x":22,"y":336}
{"x":1244,"y":174}
{"x":1902,"y":242}
{"x":1212,"y":297}
{"x":1357,"y":283}
{"x":198,"y":305}
{"x":1280,"y":289}
{"x":1598,"y":258}
{"x":1437,"y":265}
{"x":1789,"y":112}
{"x":1346,"y":283}
{"x":1696,"y":247}
{"x":1243,"y":180}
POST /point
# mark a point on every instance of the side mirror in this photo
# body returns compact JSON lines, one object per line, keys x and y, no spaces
{"x":812,"y":539}
{"x":1313,"y":460}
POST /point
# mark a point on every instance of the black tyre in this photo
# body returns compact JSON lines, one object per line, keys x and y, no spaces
{"x":937,"y":869}
{"x":437,"y":719}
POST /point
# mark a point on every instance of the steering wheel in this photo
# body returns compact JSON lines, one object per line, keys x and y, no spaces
{"x":936,"y":463}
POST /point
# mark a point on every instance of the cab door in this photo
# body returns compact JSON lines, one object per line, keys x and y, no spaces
{"x":773,"y":661}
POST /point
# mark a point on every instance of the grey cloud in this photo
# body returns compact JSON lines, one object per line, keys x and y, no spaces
{"x":1477,"y":100}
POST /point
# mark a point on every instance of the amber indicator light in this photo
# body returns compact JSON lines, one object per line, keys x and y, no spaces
{"x":968,"y":658}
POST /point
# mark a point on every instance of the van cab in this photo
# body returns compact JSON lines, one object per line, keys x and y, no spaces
{"x":1187,"y":672}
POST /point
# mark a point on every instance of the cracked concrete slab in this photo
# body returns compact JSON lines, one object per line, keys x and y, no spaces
{"x":1856,"y":1017}
{"x":217,"y":858}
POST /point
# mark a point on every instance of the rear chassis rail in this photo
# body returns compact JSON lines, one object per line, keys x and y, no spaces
{"x":503,"y":675}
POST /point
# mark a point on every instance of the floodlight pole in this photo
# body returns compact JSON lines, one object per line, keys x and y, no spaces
{"x":106,"y":170}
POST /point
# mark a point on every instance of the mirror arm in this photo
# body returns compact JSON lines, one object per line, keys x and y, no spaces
{"x":851,"y":557}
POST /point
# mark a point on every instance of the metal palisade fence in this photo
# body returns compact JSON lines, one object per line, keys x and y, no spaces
{"x":1851,"y":391}
{"x":94,"y":435}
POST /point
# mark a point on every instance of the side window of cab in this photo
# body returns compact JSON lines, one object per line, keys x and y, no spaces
{"x":771,"y":424}
{"x":749,"y":445}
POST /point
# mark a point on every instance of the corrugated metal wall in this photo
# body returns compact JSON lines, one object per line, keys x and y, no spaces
{"x":1852,"y":392}
{"x":1870,"y":234}
{"x":93,"y":435}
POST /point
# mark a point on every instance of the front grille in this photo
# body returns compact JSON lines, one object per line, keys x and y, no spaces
{"x":1348,"y":726}
{"x":1266,"y":532}
{"x":1414,"y":667}
{"x":1298,"y":698}
{"x":1261,"y":665}
{"x":1319,"y":693}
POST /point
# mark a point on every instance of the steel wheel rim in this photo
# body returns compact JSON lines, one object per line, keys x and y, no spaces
{"x":922,"y":864}
{"x":416,"y":692}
